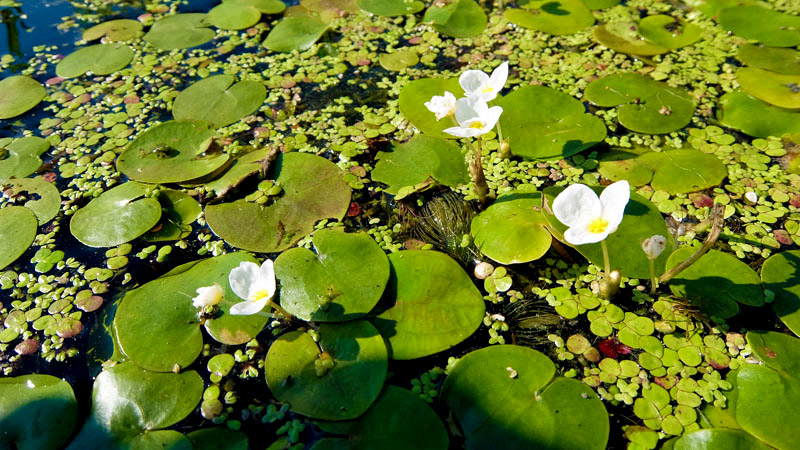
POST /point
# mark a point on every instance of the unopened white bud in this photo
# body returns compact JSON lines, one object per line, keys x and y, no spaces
{"x":654,"y":245}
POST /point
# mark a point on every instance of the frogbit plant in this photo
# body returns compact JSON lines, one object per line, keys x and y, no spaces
{"x":256,"y":285}
{"x":652,"y":247}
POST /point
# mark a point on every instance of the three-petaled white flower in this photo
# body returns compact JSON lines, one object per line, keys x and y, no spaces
{"x":477,"y":84}
{"x":208,"y":296}
{"x":591,"y":219}
{"x":256,"y":285}
{"x":442,"y":105}
{"x":474,"y":117}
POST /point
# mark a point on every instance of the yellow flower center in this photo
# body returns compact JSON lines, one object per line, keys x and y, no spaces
{"x":263,"y":293}
{"x":477,"y":124}
{"x":487,"y":89}
{"x":598,"y":225}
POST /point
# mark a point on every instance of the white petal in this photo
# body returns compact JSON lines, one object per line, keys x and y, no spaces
{"x":472,"y":81}
{"x":465,"y":110}
{"x":582,"y":235}
{"x":248,"y":308}
{"x":242,"y":278}
{"x":491,"y":116}
{"x":499,"y":77}
{"x":613,"y":200}
{"x":207,"y":296}
{"x":267,"y":277}
{"x":576,"y":206}
{"x":462,"y":132}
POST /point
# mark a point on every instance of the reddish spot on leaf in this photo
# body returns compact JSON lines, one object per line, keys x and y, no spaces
{"x":795,"y":201}
{"x":770,"y":354}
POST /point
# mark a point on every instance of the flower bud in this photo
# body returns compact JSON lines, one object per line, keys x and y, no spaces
{"x":208,"y":296}
{"x":610,"y":285}
{"x":654,"y":245}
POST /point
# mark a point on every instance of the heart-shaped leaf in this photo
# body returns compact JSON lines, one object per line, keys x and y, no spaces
{"x":238,"y":171}
{"x":780,"y":60}
{"x":180,"y":31}
{"x":218,"y":437}
{"x":781,"y":275}
{"x":669,"y":32}
{"x":756,"y":118}
{"x":777,"y":89}
{"x":44,"y":198}
{"x":295,"y":33}
{"x":767,"y":26}
{"x":711,"y":439}
{"x":559,"y":18}
{"x":114,"y":30}
{"x":232,"y":15}
{"x":218,"y":101}
{"x":459,"y":19}
{"x":414,"y":96}
{"x":419,"y":159}
{"x":179,"y":210}
{"x":100,"y":59}
{"x":390,"y":8}
{"x":21,"y":156}
{"x":20,"y":94}
{"x":17,"y":231}
{"x":624,"y":37}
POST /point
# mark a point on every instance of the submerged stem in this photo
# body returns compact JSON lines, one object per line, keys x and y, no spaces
{"x":476,"y":171}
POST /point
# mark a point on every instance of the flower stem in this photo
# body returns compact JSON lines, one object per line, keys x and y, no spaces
{"x":499,"y":133}
{"x":476,"y":171}
{"x":606,"y":260}
{"x":277,"y":307}
{"x":716,"y":229}
{"x":653,"y":279}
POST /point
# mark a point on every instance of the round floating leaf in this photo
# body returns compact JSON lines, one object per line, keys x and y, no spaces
{"x":390,"y":8}
{"x":217,"y":438}
{"x":20,"y":157}
{"x":20,"y":94}
{"x":767,"y":26}
{"x":171,"y":152}
{"x":37,"y":412}
{"x":781,"y":60}
{"x":460,"y":19}
{"x":556,"y":128}
{"x":756,"y":118}
{"x":512,"y":230}
{"x":399,"y":60}
{"x":100,"y":59}
{"x":716,"y":282}
{"x":623,"y":164}
{"x":597,"y":4}
{"x":781,"y":275}
{"x":233,"y":15}
{"x":711,"y":439}
{"x":238,"y":171}
{"x":180,"y":31}
{"x":337,"y":379}
{"x":421,"y":158}
{"x":669,"y":32}
{"x":265,"y":6}
{"x":558,"y":18}
{"x":117,"y":216}
{"x":645,"y":105}
{"x":158,"y":328}
{"x":495,"y":391}
{"x":433,"y":304}
{"x":624,"y":38}
{"x":218,"y":101}
{"x":412,"y":103}
{"x":179,"y":210}
{"x":775,"y":88}
{"x":642,"y":220}
{"x":343,"y":281}
{"x":313,"y":190}
{"x":17,"y":231}
{"x":398,"y":420}
{"x":295,"y":33}
{"x":114,"y":30}
{"x":49,"y":199}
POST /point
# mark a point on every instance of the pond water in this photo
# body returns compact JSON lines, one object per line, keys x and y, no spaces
{"x":363,"y":224}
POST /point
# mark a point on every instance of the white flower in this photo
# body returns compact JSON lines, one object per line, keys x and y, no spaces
{"x":208,"y":296}
{"x":654,"y":245}
{"x":591,"y":219}
{"x":254,"y":284}
{"x":442,"y":105}
{"x":477,"y":84}
{"x":474,"y":117}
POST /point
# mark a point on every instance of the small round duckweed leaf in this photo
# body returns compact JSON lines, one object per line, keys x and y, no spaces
{"x":115,"y":30}
{"x":100,"y":59}
{"x":399,"y":60}
{"x":238,"y":171}
{"x":557,"y":18}
{"x":774,"y":88}
{"x":716,"y":282}
{"x":17,"y":231}
{"x":673,"y":171}
{"x":180,"y":31}
{"x":512,"y":230}
{"x":390,"y":8}
{"x":781,"y":275}
{"x":22,"y":156}
{"x":419,"y":159}
{"x":767,"y":26}
{"x":217,"y":438}
{"x":414,"y":96}
{"x":557,"y":128}
{"x":497,"y":389}
{"x":343,"y":281}
{"x":780,"y":60}
{"x":313,"y":189}
{"x":460,"y":19}
{"x":756,"y":118}
{"x":669,"y":32}
{"x":49,"y":199}
{"x":179,"y":210}
{"x":398,"y":420}
{"x":233,"y":15}
{"x":218,"y":101}
{"x":295,"y":33}
{"x":711,"y":439}
{"x":37,"y":412}
{"x":645,"y":105}
{"x":623,"y":37}
{"x":20,"y":94}
{"x":171,"y":152}
{"x":428,"y":287}
{"x":337,"y":379}
{"x":117,"y":216}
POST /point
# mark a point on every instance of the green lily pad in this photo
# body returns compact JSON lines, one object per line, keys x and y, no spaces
{"x":716,"y":282}
{"x":239,"y":170}
{"x":642,"y":220}
{"x":774,"y":88}
{"x":180,"y":31}
{"x":218,"y":101}
{"x":414,"y":96}
{"x":425,"y":288}
{"x":624,"y":37}
{"x":117,"y":216}
{"x":295,"y":33}
{"x":556,"y":17}
{"x":756,"y":118}
{"x":129,"y":404}
{"x":421,"y":158}
{"x":780,"y":60}
{"x":343,"y":281}
{"x":217,"y":438}
{"x":265,"y":6}
{"x":171,"y":152}
{"x":399,"y":60}
{"x":398,"y":420}
{"x":557,"y":128}
{"x":390,"y":8}
{"x":20,"y":94}
{"x":781,"y":275}
{"x":711,"y":439}
{"x":49,"y":199}
{"x":460,"y":19}
{"x":313,"y":190}
{"x":645,"y":105}
{"x":233,"y":15}
{"x":337,"y":378}
{"x":669,"y":32}
{"x":598,"y":4}
{"x":512,"y":230}
{"x":100,"y":59}
{"x":179,"y":211}
{"x":17,"y":231}
{"x":22,"y":156}
{"x":495,"y":391}
{"x":767,"y":26}
{"x":158,"y":328}
{"x":37,"y":412}
{"x":114,"y":30}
